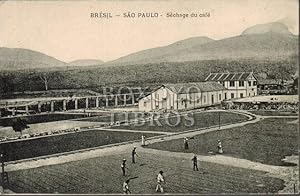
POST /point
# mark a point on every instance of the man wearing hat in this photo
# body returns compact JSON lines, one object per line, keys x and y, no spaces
{"x":186,"y":144}
{"x":133,"y":154}
{"x":123,"y":167}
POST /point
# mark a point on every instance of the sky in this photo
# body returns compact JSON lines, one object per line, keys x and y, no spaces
{"x":66,"y":31}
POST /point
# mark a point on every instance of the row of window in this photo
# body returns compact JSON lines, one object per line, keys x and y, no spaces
{"x":241,"y":83}
{"x":232,"y":96}
{"x":241,"y":95}
{"x":204,"y":99}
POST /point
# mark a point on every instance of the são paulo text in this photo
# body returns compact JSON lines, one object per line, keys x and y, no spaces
{"x":141,"y":15}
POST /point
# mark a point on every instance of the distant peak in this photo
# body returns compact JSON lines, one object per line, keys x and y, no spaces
{"x":198,"y":38}
{"x":202,"y":39}
{"x":273,"y":27}
{"x":193,"y":41}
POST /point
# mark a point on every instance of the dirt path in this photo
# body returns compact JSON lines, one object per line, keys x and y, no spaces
{"x":294,"y":122}
{"x":292,"y":176}
{"x":69,"y":157}
{"x":220,"y":159}
{"x":135,"y":131}
{"x":279,"y":116}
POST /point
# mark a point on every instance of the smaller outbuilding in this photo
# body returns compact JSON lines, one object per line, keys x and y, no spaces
{"x":271,"y":87}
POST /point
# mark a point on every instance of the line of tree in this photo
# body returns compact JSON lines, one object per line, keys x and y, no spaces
{"x":139,"y":75}
{"x":19,"y":125}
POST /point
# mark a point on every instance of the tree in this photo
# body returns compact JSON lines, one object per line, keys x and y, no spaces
{"x":19,"y":125}
{"x":6,"y":85}
{"x":45,"y":78}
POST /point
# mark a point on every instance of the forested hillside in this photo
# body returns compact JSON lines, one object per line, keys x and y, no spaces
{"x":141,"y":75}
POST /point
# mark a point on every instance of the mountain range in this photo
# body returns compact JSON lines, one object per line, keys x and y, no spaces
{"x":271,"y":41}
{"x":19,"y":58}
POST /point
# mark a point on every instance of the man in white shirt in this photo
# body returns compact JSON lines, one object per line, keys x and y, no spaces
{"x":160,"y":180}
{"x":126,"y":187}
{"x":143,"y":140}
{"x":219,"y":147}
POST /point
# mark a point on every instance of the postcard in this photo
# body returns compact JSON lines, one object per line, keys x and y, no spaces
{"x":149,"y":97}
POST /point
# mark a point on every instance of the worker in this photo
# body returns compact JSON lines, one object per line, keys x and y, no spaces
{"x":126,"y":187}
{"x":186,"y":144}
{"x":219,"y":147}
{"x":143,"y":140}
{"x":123,"y":167}
{"x":160,"y":181}
{"x":133,"y":154}
{"x":195,"y":163}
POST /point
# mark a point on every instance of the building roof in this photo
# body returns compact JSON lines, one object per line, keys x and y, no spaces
{"x":191,"y":87}
{"x":270,"y":81}
{"x":228,"y":76}
{"x":194,"y":87}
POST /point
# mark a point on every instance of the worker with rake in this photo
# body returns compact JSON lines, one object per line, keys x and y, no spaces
{"x":126,"y":189}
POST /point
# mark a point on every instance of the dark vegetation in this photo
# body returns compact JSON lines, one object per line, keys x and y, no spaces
{"x":267,"y":141}
{"x":64,"y":143}
{"x":19,"y":125}
{"x":95,"y":78}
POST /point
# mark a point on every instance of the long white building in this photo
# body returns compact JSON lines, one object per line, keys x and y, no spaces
{"x":238,"y":85}
{"x":183,"y":96}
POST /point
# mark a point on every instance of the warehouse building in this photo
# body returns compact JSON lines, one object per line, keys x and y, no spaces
{"x":238,"y":85}
{"x":182,"y":96}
